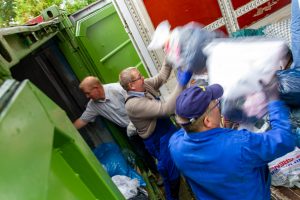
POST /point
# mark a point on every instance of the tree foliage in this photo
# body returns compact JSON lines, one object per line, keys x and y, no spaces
{"x":7,"y":13}
{"x":20,"y":11}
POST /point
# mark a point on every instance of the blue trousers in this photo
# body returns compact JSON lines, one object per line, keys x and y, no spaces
{"x":157,"y":145}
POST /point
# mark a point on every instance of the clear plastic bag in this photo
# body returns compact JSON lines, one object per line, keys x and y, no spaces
{"x":110,"y":155}
{"x":239,"y":65}
{"x":183,"y":46}
{"x":127,"y":186}
{"x":131,"y":130}
{"x":289,"y":86}
{"x":286,"y":169}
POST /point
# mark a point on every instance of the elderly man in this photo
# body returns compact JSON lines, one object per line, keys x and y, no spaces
{"x":150,"y":116}
{"x":105,"y":100}
{"x":221,"y":163}
{"x":108,"y":101}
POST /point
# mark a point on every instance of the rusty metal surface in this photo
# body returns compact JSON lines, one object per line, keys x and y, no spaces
{"x":283,"y":193}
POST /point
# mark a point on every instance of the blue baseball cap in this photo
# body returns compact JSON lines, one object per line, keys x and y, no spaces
{"x":194,"y":101}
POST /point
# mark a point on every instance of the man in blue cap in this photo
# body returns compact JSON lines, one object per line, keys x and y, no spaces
{"x":221,"y":163}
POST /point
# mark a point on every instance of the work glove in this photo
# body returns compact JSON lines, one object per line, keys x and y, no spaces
{"x":271,"y":89}
{"x":131,"y":130}
{"x":183,"y":76}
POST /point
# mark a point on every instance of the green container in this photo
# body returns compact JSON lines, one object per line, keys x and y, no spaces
{"x":103,"y":37}
{"x":42,"y":154}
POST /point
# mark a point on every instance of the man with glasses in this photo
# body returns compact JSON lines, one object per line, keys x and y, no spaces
{"x":221,"y":163}
{"x":108,"y":101}
{"x":150,"y":116}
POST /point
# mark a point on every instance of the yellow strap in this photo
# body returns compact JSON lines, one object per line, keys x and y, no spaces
{"x":202,"y":87}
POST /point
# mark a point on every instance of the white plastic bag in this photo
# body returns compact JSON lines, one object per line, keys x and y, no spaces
{"x":285,"y":171}
{"x":238,"y":65}
{"x":131,"y":130}
{"x":127,"y":186}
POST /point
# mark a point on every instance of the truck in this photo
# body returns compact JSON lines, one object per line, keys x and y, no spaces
{"x":42,"y":64}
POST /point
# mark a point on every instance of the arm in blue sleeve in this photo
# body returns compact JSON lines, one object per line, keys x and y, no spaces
{"x":262,"y":148}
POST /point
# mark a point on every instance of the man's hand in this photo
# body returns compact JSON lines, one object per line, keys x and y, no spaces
{"x":183,"y":77}
{"x":131,"y":130}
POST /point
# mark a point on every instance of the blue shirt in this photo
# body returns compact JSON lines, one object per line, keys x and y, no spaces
{"x":231,"y":164}
{"x":112,"y":107}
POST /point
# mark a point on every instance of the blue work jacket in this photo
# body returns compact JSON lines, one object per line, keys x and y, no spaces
{"x":232,"y":164}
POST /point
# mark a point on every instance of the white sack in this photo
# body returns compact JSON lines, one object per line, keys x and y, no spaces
{"x":127,"y":186}
{"x":239,"y":64}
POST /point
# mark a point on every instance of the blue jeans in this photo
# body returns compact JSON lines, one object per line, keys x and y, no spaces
{"x":157,"y":145}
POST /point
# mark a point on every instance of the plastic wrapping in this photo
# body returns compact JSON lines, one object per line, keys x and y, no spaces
{"x":127,"y":186}
{"x":131,"y":130}
{"x":297,"y":132}
{"x":295,"y":121}
{"x":111,"y":157}
{"x":248,"y":32}
{"x":129,"y":156}
{"x":141,"y":195}
{"x":295,"y":117}
{"x":255,"y":104}
{"x":183,"y":46}
{"x":289,"y":86}
{"x":239,"y":65}
{"x":232,"y":110}
{"x":286,"y":169}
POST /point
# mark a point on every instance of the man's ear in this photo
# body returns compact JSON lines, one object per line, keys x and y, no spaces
{"x":130,"y":86}
{"x":207,"y":122}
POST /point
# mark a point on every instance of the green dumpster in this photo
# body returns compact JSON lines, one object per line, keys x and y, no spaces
{"x":42,"y":154}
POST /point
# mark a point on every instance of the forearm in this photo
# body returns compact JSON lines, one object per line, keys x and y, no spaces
{"x":279,"y":115}
{"x":152,"y":108}
{"x":171,"y":100}
{"x":79,"y":123}
{"x":279,"y":140}
{"x":158,"y":80}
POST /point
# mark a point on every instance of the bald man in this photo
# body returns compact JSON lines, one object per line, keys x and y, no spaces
{"x":105,"y":100}
{"x":108,"y":101}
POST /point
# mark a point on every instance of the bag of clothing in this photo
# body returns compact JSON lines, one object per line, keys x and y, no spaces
{"x":239,"y":65}
{"x":110,"y":156}
{"x":289,"y":86}
{"x":127,"y":186}
{"x":183,"y":46}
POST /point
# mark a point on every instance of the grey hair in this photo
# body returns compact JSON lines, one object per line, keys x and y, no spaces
{"x":125,"y":77}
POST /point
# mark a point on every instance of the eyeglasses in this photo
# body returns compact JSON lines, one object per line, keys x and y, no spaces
{"x":216,"y":105}
{"x":138,"y":78}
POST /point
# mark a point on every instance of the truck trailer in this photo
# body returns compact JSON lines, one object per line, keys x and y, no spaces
{"x":42,"y":64}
